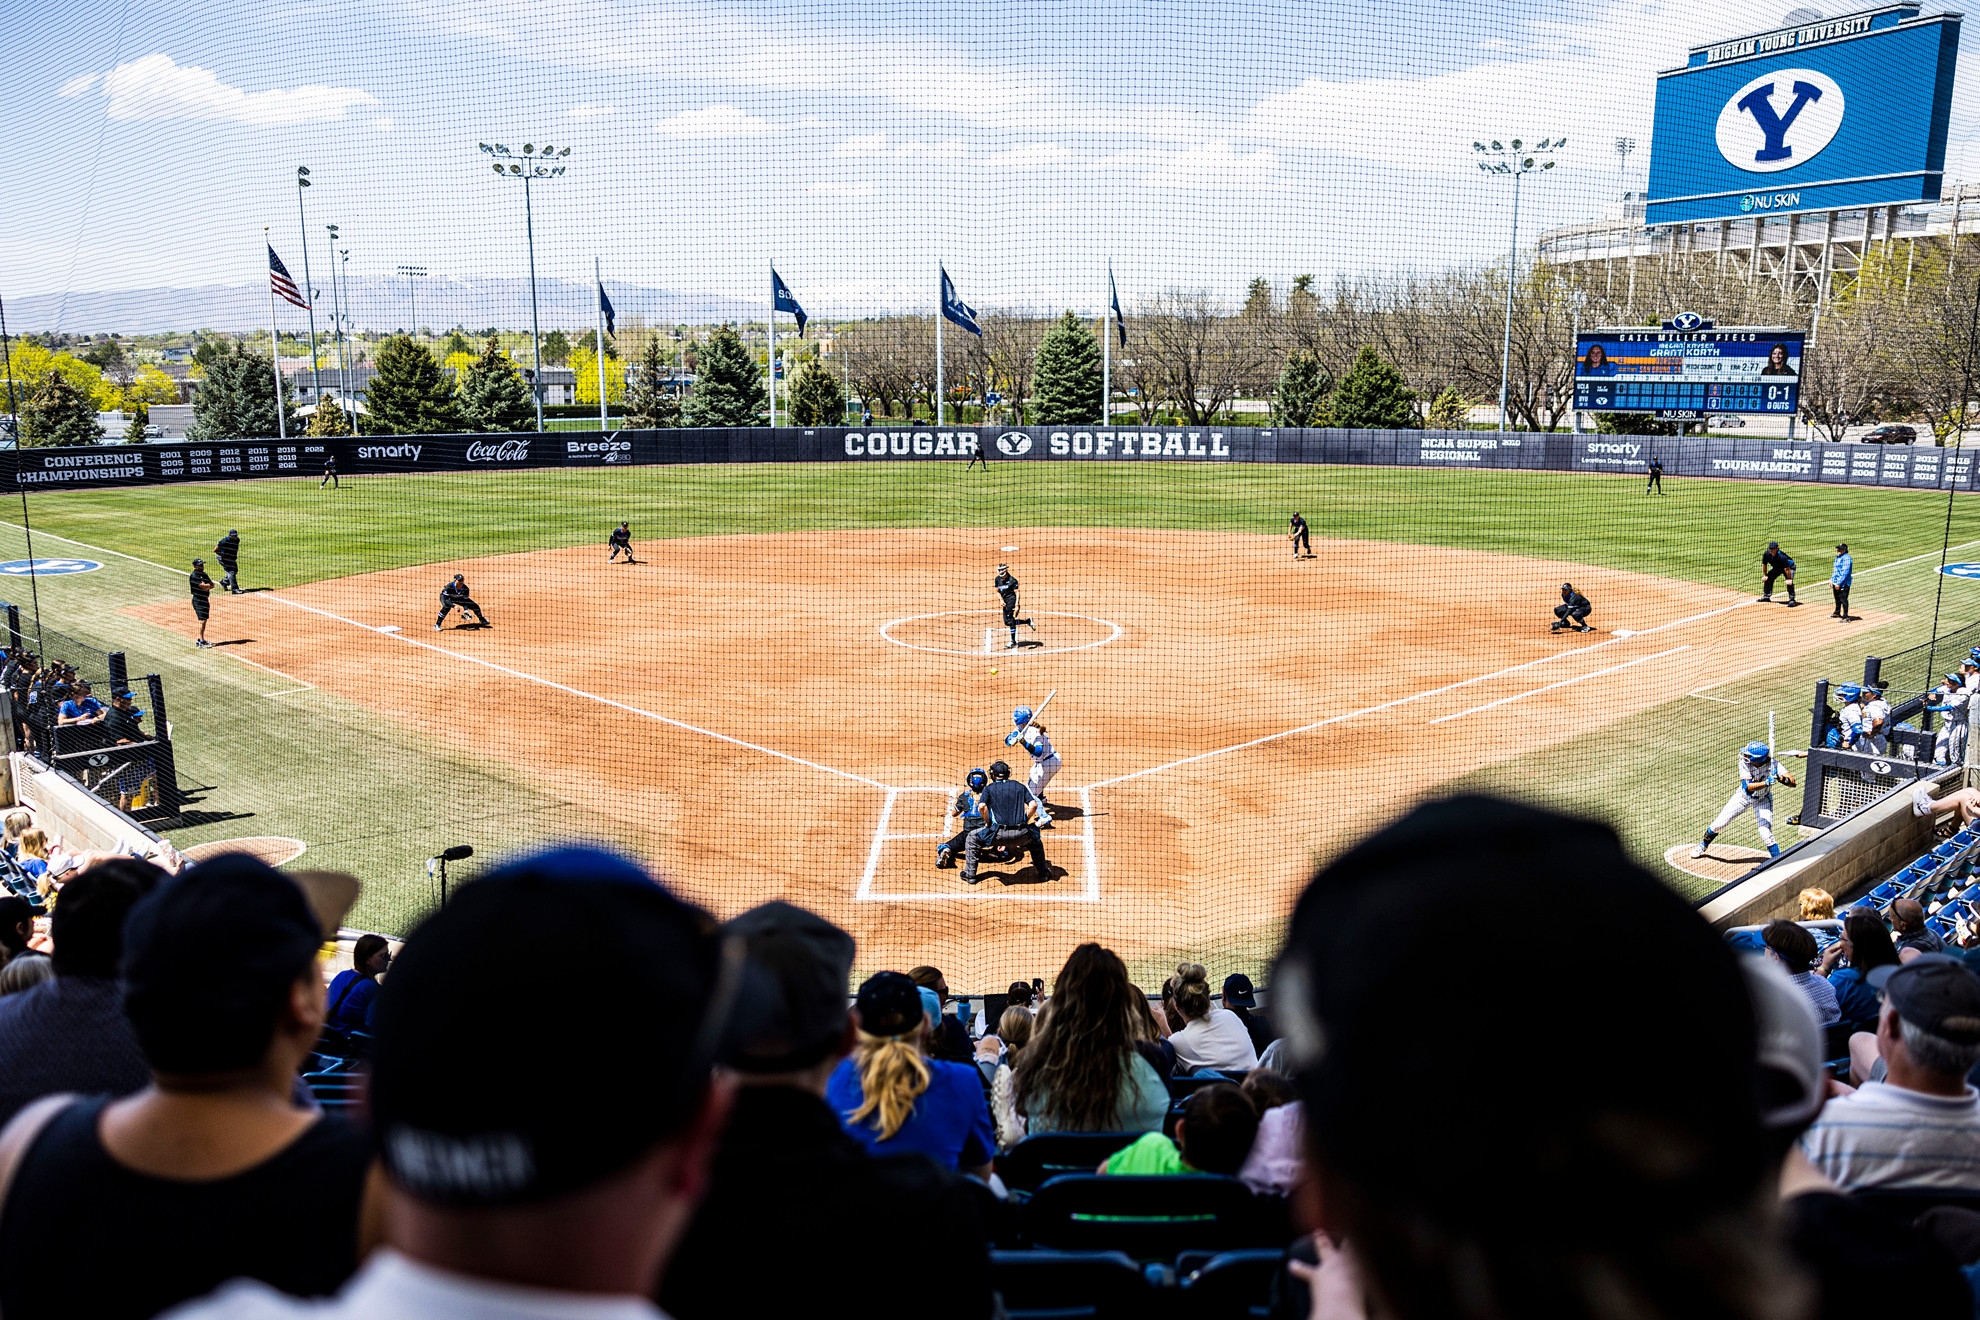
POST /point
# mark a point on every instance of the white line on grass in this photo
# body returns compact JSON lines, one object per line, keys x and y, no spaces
{"x":1578,"y":678}
{"x":1915,"y":558}
{"x":1724,"y":701}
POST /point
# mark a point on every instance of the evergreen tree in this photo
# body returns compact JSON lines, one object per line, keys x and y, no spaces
{"x":1257,"y":299}
{"x":1300,"y":396}
{"x":137,"y":418}
{"x":1066,"y":378}
{"x":493,"y":395}
{"x":728,"y":387}
{"x":1449,"y":411}
{"x":409,"y":395}
{"x":58,"y":413}
{"x":556,"y":349}
{"x":816,"y":399}
{"x":457,"y":343}
{"x":330,"y":420}
{"x":236,"y":400}
{"x":648,"y":405}
{"x":1373,"y":394}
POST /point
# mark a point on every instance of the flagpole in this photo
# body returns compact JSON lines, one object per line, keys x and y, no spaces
{"x":1107,"y":353}
{"x":941,"y":314}
{"x":598,"y":315}
{"x":274,"y":343}
{"x":772,"y":363}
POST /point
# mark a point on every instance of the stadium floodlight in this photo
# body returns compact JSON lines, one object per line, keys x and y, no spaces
{"x":1519,"y":162}
{"x":532,"y":165}
{"x":413,"y":275}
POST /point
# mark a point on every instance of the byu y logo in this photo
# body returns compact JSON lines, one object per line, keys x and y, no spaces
{"x":1780,"y":120}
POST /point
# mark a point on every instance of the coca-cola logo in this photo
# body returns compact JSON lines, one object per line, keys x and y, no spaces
{"x":508,"y":451}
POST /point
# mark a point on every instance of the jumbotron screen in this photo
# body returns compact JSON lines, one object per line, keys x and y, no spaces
{"x":1683,"y":374}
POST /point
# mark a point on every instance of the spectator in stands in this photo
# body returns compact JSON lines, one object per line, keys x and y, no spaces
{"x":353,"y":995}
{"x":70,"y":1034}
{"x":560,"y":1188}
{"x":1600,"y":1191}
{"x":25,"y":973}
{"x":1211,"y":1037}
{"x":1908,"y":924}
{"x":213,"y":1171}
{"x":1920,"y":1127}
{"x":1865,"y":946}
{"x":1242,"y":1001}
{"x":1082,"y":1072}
{"x":947,"y":1038}
{"x":33,"y":856}
{"x":788,"y":1178}
{"x":1819,"y":905}
{"x":16,"y":927}
{"x":893,"y":1099}
{"x":1150,"y":1035}
{"x":1275,"y":1165}
{"x":1795,"y":948}
{"x":17,"y":821}
{"x":1015,"y":1030}
{"x":1214,"y":1135}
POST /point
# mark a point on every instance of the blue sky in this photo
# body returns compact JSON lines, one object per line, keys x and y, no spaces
{"x":1023,"y":142}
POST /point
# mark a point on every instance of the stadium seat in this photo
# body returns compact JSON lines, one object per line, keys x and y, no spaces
{"x":1835,"y":1041}
{"x":1030,"y":1163}
{"x":1907,"y":1203}
{"x":1069,"y":1285}
{"x":1231,"y":1283}
{"x":1152,"y":1218}
{"x":1182,"y":1088}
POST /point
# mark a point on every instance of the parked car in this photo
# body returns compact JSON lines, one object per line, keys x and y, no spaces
{"x":1890,"y":433}
{"x":153,"y":431}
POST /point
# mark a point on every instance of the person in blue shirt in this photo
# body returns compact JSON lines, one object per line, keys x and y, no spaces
{"x":892,"y":1098}
{"x":353,"y":994}
{"x":1596,"y":362}
{"x":1839,"y":580}
{"x":1865,"y":946}
{"x":969,"y":815}
{"x":79,"y":712}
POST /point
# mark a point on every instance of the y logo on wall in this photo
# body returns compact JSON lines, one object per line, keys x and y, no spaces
{"x":1968,"y":571}
{"x":47,"y":567}
{"x":1014,"y":443}
{"x":1780,"y":120}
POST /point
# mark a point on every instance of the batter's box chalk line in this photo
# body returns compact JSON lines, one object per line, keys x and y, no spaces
{"x":1053,"y":891}
{"x":1113,"y":635}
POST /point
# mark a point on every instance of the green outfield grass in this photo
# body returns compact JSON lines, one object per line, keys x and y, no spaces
{"x":373,"y":798}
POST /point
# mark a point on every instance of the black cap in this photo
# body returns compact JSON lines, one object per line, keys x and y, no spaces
{"x":1843,"y":546}
{"x":1237,"y":990}
{"x":889,"y":1005}
{"x":1773,"y":545}
{"x":618,"y":1052}
{"x":1934,"y":993}
{"x":210,"y":958}
{"x":792,"y":1013}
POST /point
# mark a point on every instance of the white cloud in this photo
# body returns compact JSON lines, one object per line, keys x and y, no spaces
{"x":1030,"y":156}
{"x":156,"y":87}
{"x":384,"y":124}
{"x":588,"y":111}
{"x":713,"y":121}
{"x":77,"y":86}
{"x":1216,"y":165}
{"x":875,"y":146}
{"x":860,"y":148}
{"x":842,"y":189}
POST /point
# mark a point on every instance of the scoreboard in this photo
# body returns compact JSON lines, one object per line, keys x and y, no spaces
{"x":1683,"y":374}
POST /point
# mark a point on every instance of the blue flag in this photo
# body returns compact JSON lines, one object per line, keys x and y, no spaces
{"x":605,"y":307}
{"x":782,"y":299}
{"x":1120,"y":322}
{"x":954,"y":308}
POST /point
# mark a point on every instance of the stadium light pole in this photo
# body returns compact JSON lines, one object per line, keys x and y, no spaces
{"x":531,"y":164}
{"x":315,"y":370}
{"x":337,"y":318}
{"x":413,"y":275}
{"x":1518,"y":161}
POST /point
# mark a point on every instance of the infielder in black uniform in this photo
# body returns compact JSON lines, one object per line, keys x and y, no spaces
{"x":1007,"y":588}
{"x":1776,"y":564}
{"x":202,"y":591}
{"x":1572,"y":612}
{"x":228,"y":552}
{"x":621,"y":539}
{"x":329,"y":472}
{"x":455,"y":593}
{"x":1296,"y":533}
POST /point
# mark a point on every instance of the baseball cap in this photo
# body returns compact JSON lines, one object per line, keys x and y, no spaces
{"x":1935,"y":993}
{"x":619,"y":1056}
{"x":792,"y":1013}
{"x":210,"y":958}
{"x":1773,"y":545}
{"x":197,"y":561}
{"x":121,"y":694}
{"x":1843,"y":546}
{"x":1788,"y":1047}
{"x":1238,"y":991}
{"x":889,"y":1004}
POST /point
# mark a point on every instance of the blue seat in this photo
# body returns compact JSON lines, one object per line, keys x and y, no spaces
{"x":1948,"y":850}
{"x":1153,"y":1218}
{"x":1890,"y":890}
{"x":1230,"y":1283}
{"x":1030,"y":1163}
{"x":1069,"y":1285}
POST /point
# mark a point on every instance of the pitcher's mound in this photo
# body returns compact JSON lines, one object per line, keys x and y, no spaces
{"x":270,"y":848}
{"x":1722,"y":862}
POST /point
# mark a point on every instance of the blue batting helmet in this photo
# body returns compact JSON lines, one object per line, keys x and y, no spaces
{"x":1022,"y":715}
{"x":1952,"y":676}
{"x":1849,"y":692}
{"x":1755,"y":751}
{"x":976,"y":779}
{"x":1974,"y":655}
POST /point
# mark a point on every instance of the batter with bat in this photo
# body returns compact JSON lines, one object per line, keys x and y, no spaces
{"x":1758,"y":773}
{"x":1045,"y":763}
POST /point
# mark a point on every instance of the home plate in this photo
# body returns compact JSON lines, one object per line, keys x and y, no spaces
{"x":1623,"y":632}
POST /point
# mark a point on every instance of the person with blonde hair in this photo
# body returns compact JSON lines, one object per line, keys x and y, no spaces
{"x":1211,"y":1037}
{"x":1014,"y":1029}
{"x":892,"y":1097}
{"x":1817,"y":905}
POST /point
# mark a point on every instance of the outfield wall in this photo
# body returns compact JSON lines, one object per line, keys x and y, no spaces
{"x":1766,"y":460}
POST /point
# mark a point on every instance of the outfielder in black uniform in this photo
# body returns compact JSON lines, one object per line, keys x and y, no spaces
{"x":1776,"y":564}
{"x":1572,"y":612}
{"x":202,"y":589}
{"x":329,"y":472}
{"x":1296,"y":532}
{"x":228,"y":551}
{"x":1656,"y":481}
{"x":621,"y":539}
{"x":455,"y":593}
{"x":1007,"y":588}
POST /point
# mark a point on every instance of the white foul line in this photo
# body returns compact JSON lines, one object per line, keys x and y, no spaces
{"x":1578,"y":678}
{"x":987,"y":635}
{"x":865,"y":889}
{"x":1927,"y":555}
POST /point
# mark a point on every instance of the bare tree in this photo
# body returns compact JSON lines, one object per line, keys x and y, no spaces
{"x":1202,"y":352}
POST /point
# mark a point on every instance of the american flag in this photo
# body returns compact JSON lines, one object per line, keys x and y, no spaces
{"x":278,"y":276}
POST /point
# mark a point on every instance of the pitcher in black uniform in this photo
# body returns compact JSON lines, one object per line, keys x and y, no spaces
{"x":454,"y":594}
{"x":228,"y":551}
{"x":1776,"y":564}
{"x":1007,"y":588}
{"x":620,"y":539}
{"x":1572,"y":612}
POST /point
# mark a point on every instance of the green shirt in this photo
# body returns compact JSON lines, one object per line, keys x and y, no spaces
{"x":1151,"y":1153}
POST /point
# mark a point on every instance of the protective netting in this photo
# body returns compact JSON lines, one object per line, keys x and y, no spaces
{"x":1259,"y":231}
